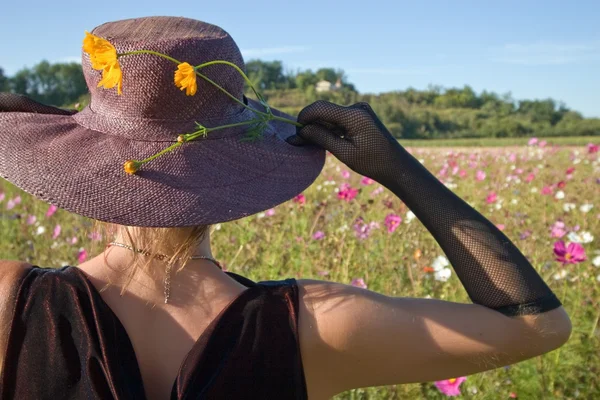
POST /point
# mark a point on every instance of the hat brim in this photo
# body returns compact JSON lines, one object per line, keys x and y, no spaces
{"x":202,"y":182}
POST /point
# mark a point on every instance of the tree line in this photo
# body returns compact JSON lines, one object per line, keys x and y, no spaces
{"x":435,"y":112}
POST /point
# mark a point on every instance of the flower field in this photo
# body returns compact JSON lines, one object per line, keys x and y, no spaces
{"x":347,"y":228}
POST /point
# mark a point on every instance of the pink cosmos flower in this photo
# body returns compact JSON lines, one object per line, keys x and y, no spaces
{"x":95,"y":236}
{"x":366,"y":181}
{"x":17,"y":200}
{"x":270,"y":212}
{"x":480,"y":175}
{"x":532,"y":141}
{"x":525,"y":234}
{"x":51,"y":210}
{"x":345,"y":174}
{"x":500,"y":226}
{"x":318,"y":235}
{"x":81,"y":255}
{"x":392,"y":221}
{"x":593,"y":148}
{"x":573,"y":253}
{"x":362,"y":230}
{"x":450,"y":387}
{"x":570,"y":170}
{"x":558,"y":229}
{"x":543,"y":143}
{"x":512,"y":157}
{"x":547,"y":190}
{"x":346,"y":192}
{"x":359,"y":282}
{"x":561,"y":184}
{"x":462,"y":173}
{"x":300,"y":199}
{"x":10,"y":204}
{"x":2,"y":196}
{"x":56,"y":232}
{"x":73,"y":240}
{"x":530,"y":177}
{"x":31,"y":220}
{"x":491,"y":198}
{"x":377,"y":191}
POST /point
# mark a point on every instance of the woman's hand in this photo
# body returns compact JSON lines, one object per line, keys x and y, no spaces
{"x":353,"y":134}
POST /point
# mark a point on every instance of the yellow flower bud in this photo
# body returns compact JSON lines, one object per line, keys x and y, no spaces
{"x":130,"y":167}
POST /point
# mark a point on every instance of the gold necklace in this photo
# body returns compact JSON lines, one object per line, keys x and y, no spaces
{"x":163,"y":257}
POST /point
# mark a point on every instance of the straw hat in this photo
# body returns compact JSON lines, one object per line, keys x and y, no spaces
{"x":75,"y":160}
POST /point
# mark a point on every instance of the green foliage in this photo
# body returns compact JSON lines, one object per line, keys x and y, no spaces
{"x":55,"y":84}
{"x":3,"y":81}
{"x":433,"y":113}
{"x":280,"y":246}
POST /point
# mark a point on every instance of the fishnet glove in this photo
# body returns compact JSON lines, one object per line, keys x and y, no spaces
{"x":493,"y":271}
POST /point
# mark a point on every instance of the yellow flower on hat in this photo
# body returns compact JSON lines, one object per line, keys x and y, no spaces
{"x":103,"y":56}
{"x":185,"y":78}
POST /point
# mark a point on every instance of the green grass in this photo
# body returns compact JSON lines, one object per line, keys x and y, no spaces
{"x":499,"y":142}
{"x":253,"y":247}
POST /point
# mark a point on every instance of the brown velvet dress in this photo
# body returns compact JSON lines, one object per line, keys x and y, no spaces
{"x":66,"y":343}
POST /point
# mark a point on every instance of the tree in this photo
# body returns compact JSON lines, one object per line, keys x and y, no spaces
{"x":267,"y":75}
{"x":54,"y":84}
{"x":3,"y":82}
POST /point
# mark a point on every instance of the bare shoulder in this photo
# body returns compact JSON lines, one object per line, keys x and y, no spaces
{"x":11,"y":273}
{"x":322,"y":304}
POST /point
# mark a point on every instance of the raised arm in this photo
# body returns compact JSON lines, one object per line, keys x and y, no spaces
{"x":515,"y":316}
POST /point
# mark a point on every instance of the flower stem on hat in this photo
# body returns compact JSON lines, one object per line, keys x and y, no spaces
{"x":104,"y":56}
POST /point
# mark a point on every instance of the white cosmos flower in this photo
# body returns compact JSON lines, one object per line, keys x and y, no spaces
{"x":40,"y":230}
{"x":439,"y":263}
{"x":568,"y":207}
{"x":514,"y":201}
{"x":559,"y":195}
{"x":442,"y":275}
{"x":534,"y":190}
{"x":451,"y":185}
{"x":598,"y":278}
{"x":584,"y":208}
{"x":260,"y":215}
{"x":560,"y":275}
{"x":342,"y":228}
{"x":596,"y":261}
{"x":409,"y":216}
{"x":580,"y":237}
{"x":217,"y":227}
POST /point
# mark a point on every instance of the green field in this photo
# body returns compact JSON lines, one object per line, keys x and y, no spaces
{"x":499,"y":142}
{"x":386,"y":261}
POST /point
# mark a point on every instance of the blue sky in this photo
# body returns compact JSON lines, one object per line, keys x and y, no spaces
{"x":533,"y":49}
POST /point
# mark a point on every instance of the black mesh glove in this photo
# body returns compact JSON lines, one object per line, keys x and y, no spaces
{"x":490,"y":267}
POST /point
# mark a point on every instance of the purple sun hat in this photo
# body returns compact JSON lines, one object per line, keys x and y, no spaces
{"x":74,"y":160}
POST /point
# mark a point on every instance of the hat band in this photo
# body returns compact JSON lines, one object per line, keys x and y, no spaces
{"x":158,"y":130}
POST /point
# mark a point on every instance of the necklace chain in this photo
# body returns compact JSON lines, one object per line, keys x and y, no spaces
{"x":163,"y":257}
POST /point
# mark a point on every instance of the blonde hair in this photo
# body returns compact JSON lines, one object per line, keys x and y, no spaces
{"x":177,"y":244}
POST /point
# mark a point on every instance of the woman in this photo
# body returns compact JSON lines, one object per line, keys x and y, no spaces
{"x":154,"y":316}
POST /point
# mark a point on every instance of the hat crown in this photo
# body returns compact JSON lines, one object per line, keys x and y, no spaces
{"x":149,"y":91}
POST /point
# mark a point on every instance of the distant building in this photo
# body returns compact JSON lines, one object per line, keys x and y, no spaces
{"x":326,"y":86}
